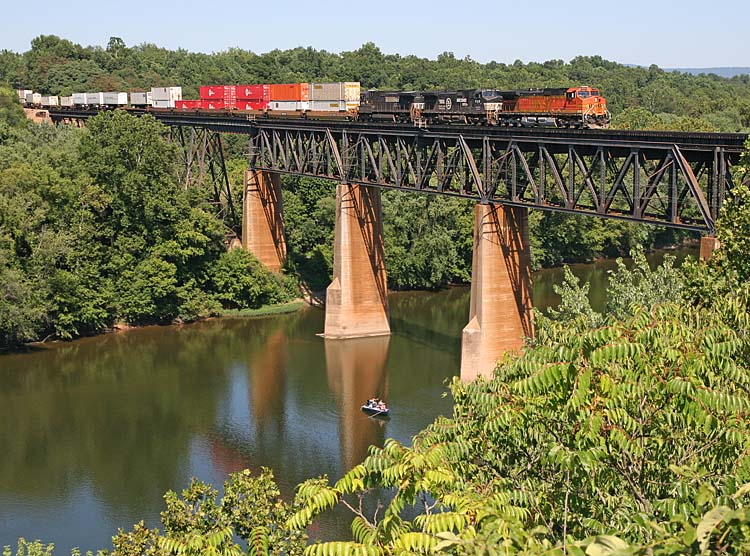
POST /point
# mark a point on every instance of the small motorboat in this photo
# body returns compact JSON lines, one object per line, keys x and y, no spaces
{"x":376,"y":408}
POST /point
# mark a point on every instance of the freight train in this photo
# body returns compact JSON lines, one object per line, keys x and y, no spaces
{"x":564,"y":107}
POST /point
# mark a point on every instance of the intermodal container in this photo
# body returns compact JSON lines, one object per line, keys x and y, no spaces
{"x":67,"y":102}
{"x":252,"y":105}
{"x":253,"y":92}
{"x":328,"y":106}
{"x":299,"y":92}
{"x":50,"y":101}
{"x":141,"y":99}
{"x":33,"y":98}
{"x":217,"y":105}
{"x":22,"y":94}
{"x":163,"y":103}
{"x":94,"y":98}
{"x":116,"y":99}
{"x":188,"y":104}
{"x":344,"y":90}
{"x":289,"y":105}
{"x":218,"y":92}
{"x":79,"y":98}
{"x":166,"y":93}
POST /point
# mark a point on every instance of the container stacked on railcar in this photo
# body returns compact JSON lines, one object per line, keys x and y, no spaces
{"x":165,"y":97}
{"x":253,"y":97}
{"x":141,"y":99}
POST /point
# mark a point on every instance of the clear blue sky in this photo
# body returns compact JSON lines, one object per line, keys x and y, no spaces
{"x":669,"y":33}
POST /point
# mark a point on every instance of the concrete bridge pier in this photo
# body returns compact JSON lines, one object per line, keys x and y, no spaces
{"x":709,"y":244}
{"x":500,"y":313}
{"x":262,"y":218}
{"x":357,"y":299}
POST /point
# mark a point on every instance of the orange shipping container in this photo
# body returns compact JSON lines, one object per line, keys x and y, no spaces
{"x":291,"y":91}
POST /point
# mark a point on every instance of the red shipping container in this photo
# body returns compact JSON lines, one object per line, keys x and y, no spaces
{"x":253,"y":92}
{"x":217,"y":92}
{"x":218,"y":104}
{"x":291,"y":91}
{"x":187,"y":104}
{"x":252,"y":105}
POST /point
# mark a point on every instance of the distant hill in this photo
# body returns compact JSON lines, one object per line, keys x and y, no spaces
{"x":723,"y":72}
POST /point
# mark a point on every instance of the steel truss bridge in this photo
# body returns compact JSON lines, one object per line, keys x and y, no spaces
{"x":674,"y":179}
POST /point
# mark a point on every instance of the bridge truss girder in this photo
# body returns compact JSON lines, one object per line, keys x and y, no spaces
{"x":657,"y":183}
{"x":202,"y":165}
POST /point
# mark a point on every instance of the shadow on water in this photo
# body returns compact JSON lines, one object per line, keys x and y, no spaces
{"x":95,"y":431}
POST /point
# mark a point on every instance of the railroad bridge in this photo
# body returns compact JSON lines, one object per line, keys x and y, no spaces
{"x":667,"y":178}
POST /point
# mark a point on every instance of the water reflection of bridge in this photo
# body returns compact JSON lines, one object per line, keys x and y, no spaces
{"x":355,"y":370}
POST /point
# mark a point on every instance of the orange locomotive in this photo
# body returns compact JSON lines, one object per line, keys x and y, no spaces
{"x":576,"y":106}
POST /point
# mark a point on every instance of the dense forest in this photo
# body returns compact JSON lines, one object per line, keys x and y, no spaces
{"x":95,"y":228}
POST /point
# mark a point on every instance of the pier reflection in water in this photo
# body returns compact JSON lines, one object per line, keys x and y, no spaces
{"x":93,"y":432}
{"x":357,"y":371}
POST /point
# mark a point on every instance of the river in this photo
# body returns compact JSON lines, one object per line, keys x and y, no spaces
{"x":95,"y":431}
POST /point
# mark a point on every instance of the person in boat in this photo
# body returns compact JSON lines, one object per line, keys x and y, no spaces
{"x":377,"y":404}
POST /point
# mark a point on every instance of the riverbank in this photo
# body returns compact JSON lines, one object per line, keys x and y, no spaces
{"x":277,"y":309}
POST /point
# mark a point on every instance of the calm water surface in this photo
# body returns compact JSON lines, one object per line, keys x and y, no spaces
{"x":93,"y":432}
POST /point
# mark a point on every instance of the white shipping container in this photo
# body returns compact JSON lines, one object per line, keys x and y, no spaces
{"x":79,"y":98}
{"x":66,"y":101}
{"x":141,"y":99}
{"x":290,"y":105}
{"x":22,"y":94}
{"x":33,"y":98}
{"x":115,"y":99}
{"x":94,"y":98}
{"x":163,"y":103}
{"x":328,"y":106}
{"x":166,"y":93}
{"x":50,"y":101}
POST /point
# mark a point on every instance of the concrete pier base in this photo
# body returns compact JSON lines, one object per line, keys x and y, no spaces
{"x":709,"y":244}
{"x":357,"y":299}
{"x":500,"y":313}
{"x":263,"y":220}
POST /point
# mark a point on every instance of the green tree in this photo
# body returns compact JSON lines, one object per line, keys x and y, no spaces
{"x":240,"y":281}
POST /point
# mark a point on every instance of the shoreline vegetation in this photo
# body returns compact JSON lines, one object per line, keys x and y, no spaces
{"x":266,"y":310}
{"x":313,"y":301}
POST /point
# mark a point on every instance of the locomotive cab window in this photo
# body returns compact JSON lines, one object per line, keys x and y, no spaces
{"x":571,"y":95}
{"x":584,"y":94}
